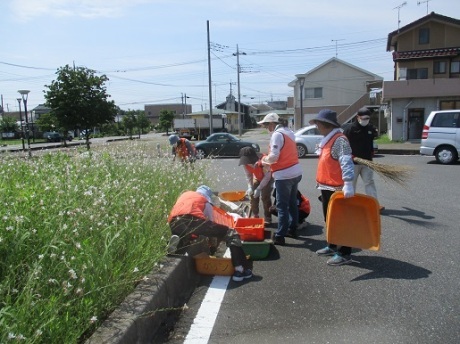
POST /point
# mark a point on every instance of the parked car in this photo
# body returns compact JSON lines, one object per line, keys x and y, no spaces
{"x":441,"y":136}
{"x":308,"y":138}
{"x":222,"y":144}
{"x":54,"y":136}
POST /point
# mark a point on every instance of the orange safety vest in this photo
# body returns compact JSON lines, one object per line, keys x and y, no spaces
{"x":304,"y":204}
{"x":329,"y":171}
{"x":257,"y":170}
{"x":181,"y":149}
{"x":189,"y":203}
{"x":288,"y":155}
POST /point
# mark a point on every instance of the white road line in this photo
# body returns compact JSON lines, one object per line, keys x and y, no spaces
{"x":202,"y":326}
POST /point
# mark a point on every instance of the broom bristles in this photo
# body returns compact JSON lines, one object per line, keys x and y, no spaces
{"x":397,"y":174}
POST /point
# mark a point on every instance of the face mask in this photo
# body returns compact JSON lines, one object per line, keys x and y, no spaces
{"x":363,"y":122}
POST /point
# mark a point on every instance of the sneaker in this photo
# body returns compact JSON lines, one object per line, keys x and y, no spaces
{"x":279,"y":241}
{"x":327,"y":251}
{"x":339,"y":260}
{"x":239,"y":276}
{"x":172,"y":245}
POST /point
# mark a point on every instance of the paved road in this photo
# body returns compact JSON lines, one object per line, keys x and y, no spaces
{"x":408,"y":292}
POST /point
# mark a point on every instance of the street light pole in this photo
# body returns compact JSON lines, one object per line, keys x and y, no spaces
{"x":22,"y":127}
{"x":25,"y":94}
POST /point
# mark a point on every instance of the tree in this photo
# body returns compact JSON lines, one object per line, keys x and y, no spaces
{"x":8,"y":125}
{"x":166,"y":120}
{"x":47,"y":122}
{"x":130,"y":122}
{"x":143,"y":122}
{"x":78,"y":99}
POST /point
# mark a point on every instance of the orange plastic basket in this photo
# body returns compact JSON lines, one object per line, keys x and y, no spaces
{"x":232,"y":196}
{"x":354,"y":221}
{"x":250,"y":229}
{"x":222,"y":217}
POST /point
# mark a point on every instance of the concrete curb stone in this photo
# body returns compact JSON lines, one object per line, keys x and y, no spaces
{"x":142,"y":314}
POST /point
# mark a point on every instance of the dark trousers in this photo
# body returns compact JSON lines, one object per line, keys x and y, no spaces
{"x":326,"y":197}
{"x":186,"y":226}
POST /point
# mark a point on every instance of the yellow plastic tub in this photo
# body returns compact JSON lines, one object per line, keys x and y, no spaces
{"x":354,"y":221}
{"x":232,"y":196}
{"x":208,"y":265}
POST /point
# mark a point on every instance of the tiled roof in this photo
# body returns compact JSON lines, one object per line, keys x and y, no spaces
{"x":418,"y":54}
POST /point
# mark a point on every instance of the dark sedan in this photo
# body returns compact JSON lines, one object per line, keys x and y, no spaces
{"x":222,"y":144}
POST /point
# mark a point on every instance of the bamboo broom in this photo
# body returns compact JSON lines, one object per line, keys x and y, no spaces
{"x":397,"y":174}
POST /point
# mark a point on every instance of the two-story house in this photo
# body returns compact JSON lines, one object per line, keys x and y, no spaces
{"x":337,"y":85}
{"x":426,"y":55}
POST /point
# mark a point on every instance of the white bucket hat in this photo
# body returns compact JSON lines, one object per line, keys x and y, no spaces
{"x":272,"y":117}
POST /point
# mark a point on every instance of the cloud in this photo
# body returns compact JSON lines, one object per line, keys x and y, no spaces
{"x":25,"y":10}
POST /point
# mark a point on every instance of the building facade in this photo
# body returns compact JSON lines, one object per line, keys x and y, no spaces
{"x":426,"y":55}
{"x":334,"y":84}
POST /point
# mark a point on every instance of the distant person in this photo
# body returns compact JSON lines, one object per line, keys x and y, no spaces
{"x":260,"y":182}
{"x":287,"y":173}
{"x":192,"y":214}
{"x":361,"y":135}
{"x":182,"y":148}
{"x":335,"y":172}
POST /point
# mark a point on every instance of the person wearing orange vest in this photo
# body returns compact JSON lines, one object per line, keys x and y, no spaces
{"x":303,"y":203}
{"x":192,"y":215}
{"x":335,"y":172}
{"x":287,"y":173}
{"x":260,"y":182}
{"x":182,"y":148}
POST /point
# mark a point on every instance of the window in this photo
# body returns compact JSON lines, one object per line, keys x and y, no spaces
{"x":314,"y":92}
{"x":455,"y":67}
{"x":445,"y":120}
{"x":440,"y":67}
{"x":417,"y":73}
{"x":424,"y":36}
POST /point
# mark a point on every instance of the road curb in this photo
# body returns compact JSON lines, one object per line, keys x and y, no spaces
{"x":145,"y":311}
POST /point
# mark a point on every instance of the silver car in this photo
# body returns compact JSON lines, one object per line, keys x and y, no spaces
{"x":307,"y":139}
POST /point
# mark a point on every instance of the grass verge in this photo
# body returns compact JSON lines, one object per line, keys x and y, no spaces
{"x":80,"y":230}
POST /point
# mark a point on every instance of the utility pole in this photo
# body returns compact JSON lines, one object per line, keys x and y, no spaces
{"x":238,"y":70}
{"x":209,"y":80}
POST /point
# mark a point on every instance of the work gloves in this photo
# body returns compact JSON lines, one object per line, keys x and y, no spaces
{"x":256,"y":193}
{"x":348,"y":190}
{"x":249,"y":192}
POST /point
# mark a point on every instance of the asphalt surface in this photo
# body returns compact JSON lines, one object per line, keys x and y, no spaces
{"x":408,"y":292}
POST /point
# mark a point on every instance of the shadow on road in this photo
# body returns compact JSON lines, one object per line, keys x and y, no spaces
{"x":382,"y":267}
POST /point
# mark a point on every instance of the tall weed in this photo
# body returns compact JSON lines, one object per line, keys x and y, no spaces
{"x":79,"y":231}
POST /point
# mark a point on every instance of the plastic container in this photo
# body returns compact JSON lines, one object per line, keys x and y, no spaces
{"x":257,"y":250}
{"x":208,"y":265}
{"x":232,"y":196}
{"x":250,"y":229}
{"x":222,"y":217}
{"x":354,"y":221}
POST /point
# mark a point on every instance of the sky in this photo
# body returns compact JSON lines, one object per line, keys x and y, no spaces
{"x":156,"y":51}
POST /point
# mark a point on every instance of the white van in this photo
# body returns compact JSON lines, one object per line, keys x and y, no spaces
{"x":441,"y":136}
